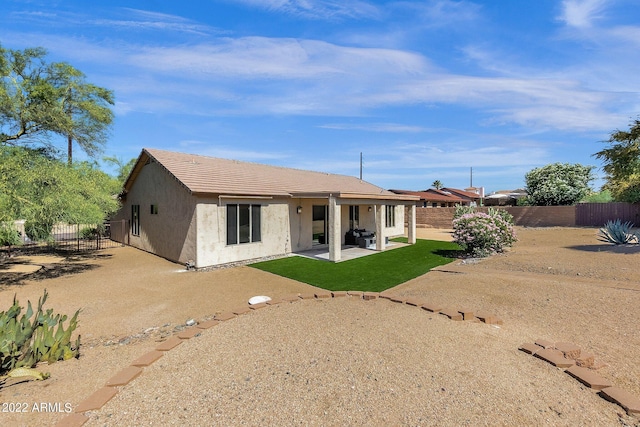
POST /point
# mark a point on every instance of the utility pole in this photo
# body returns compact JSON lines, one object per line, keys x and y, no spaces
{"x":361,"y":166}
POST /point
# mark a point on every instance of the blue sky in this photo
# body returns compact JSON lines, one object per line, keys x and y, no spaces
{"x":424,"y":89}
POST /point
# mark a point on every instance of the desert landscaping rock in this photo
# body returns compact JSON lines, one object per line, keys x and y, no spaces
{"x":555,"y":357}
{"x":124,"y":377}
{"x":530,"y":348}
{"x":224,"y":316}
{"x":545,"y":343}
{"x":488,"y":318}
{"x":97,"y":400}
{"x":588,"y":378}
{"x":628,"y":401}
{"x":189,"y":333}
{"x":368,"y":296}
{"x":241,"y":310}
{"x":207,"y":324}
{"x":148,"y":358}
{"x":416,"y":302}
{"x":586,"y":360}
{"x":452,"y":314}
{"x":169,"y":344}
{"x":467,"y":314}
{"x":434,"y":308}
{"x":258,"y":306}
{"x":398,"y":299}
{"x":322,"y":294}
{"x":570,"y":350}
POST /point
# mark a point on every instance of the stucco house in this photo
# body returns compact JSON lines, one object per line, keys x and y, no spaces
{"x":211,"y":211}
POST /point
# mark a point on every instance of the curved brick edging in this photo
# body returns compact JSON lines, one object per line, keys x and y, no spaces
{"x":99,"y":398}
{"x":581,"y":366}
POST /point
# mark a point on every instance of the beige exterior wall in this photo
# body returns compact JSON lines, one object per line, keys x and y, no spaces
{"x":300,"y":224}
{"x":171,"y":233}
{"x":212,"y":248}
{"x":398,"y":229}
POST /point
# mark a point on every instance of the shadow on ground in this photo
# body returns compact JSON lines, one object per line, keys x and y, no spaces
{"x":617,"y":249}
{"x":450,"y":253}
{"x":73,"y":264}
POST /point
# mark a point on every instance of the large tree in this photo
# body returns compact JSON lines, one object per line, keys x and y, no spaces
{"x":558,"y":184}
{"x":123,"y":169}
{"x":622,"y":163}
{"x":44,"y":191}
{"x":39,"y":100}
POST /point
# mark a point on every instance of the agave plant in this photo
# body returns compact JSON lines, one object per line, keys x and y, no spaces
{"x":617,"y":232}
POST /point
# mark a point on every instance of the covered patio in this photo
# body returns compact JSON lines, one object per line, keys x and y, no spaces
{"x":377,"y":211}
{"x":348,"y":252}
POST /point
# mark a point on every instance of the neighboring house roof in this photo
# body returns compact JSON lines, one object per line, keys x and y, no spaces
{"x":432,"y":195}
{"x":212,"y":175}
{"x":462,"y":193}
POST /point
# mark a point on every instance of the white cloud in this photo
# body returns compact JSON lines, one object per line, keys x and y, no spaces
{"x":582,"y":13}
{"x":318,"y":9}
{"x":376,"y":127}
{"x":441,"y":13}
{"x":205,"y":148}
{"x":261,"y":75}
{"x":280,"y":58}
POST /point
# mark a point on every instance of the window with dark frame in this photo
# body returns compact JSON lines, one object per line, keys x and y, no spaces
{"x":154,"y":209}
{"x":135,"y":220}
{"x":390,"y":216}
{"x":243,"y":224}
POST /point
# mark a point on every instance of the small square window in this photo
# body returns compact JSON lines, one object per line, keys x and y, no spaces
{"x":154,"y":209}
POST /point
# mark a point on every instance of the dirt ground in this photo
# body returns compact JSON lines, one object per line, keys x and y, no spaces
{"x":559,"y":284}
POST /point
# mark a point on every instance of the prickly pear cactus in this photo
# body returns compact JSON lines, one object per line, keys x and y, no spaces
{"x":35,"y":337}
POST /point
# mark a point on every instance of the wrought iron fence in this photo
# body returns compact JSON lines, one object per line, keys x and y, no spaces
{"x":82,"y":237}
{"x":72,"y":237}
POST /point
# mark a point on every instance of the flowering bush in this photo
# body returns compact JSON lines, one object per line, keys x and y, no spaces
{"x":483,"y":234}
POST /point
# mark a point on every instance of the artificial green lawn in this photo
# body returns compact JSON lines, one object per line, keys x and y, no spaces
{"x":374,"y":273}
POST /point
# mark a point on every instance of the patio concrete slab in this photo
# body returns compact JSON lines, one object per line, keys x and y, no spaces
{"x":346,"y":253}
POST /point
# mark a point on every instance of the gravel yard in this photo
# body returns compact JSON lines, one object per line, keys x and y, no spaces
{"x":346,"y":361}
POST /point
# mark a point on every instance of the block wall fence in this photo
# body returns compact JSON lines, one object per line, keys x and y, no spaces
{"x":580,"y":215}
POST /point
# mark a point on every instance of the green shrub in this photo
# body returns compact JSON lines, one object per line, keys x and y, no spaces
{"x":35,"y":337}
{"x":484,"y":234}
{"x":603,"y":196}
{"x":38,"y":231}
{"x":89,"y":232}
{"x":9,"y":236}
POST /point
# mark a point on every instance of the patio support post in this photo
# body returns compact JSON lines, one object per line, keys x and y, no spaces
{"x":335,"y":240}
{"x":411,"y":235}
{"x":380,"y":227}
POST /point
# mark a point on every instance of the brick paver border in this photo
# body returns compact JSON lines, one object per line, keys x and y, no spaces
{"x":581,"y":366}
{"x":555,"y":355}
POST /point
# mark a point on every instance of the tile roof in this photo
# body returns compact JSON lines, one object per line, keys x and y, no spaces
{"x":431,"y":195}
{"x":462,"y":193}
{"x":212,"y":175}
